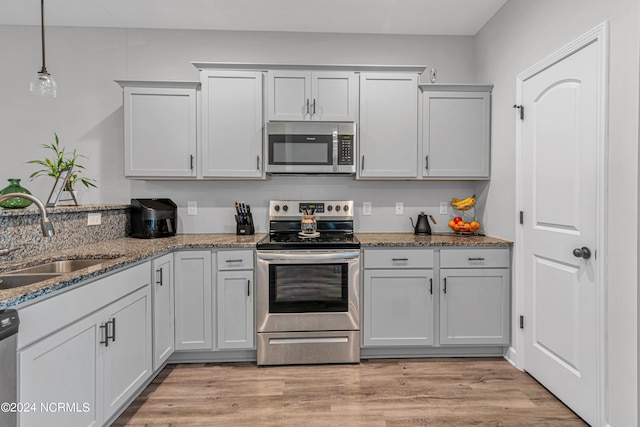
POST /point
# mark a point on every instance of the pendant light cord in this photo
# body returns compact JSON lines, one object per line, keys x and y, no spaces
{"x":44,"y":68}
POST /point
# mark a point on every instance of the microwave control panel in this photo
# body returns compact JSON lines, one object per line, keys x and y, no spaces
{"x":345,"y":150}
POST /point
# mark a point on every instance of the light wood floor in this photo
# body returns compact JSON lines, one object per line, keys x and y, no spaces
{"x":385,"y":393}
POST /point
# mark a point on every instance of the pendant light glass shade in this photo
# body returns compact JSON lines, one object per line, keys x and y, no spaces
{"x":43,"y":83}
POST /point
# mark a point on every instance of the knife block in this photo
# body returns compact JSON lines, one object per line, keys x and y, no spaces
{"x":245,"y":226}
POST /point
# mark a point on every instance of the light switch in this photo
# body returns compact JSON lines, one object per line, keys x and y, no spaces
{"x":192,"y":208}
{"x":366,"y":208}
{"x":399,"y":208}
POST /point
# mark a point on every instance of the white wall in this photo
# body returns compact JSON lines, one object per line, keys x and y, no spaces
{"x":522,"y":33}
{"x":87,"y":114}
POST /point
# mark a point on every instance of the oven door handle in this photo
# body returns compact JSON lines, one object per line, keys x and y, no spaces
{"x":310,"y":257}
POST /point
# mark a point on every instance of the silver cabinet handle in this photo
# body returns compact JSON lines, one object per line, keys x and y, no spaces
{"x":476,"y":259}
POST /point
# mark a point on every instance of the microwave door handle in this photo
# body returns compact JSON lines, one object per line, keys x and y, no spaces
{"x":308,"y":257}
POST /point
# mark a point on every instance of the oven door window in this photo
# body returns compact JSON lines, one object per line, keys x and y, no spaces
{"x":300,"y":150}
{"x":308,"y":288}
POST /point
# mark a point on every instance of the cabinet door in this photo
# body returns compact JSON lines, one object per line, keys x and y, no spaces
{"x":160,"y":132}
{"x":193,"y":300}
{"x":334,"y":96}
{"x":456,"y":134}
{"x":63,"y":367}
{"x":232,"y":124}
{"x":128,"y":354}
{"x":398,"y":307}
{"x":289,"y":95}
{"x":163,"y":323}
{"x":474,"y":306}
{"x":388,"y":125}
{"x":235,"y":309}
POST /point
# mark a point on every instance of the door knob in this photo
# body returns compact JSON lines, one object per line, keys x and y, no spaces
{"x":582,"y":252}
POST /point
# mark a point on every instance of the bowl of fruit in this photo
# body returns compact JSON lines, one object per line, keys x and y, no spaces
{"x":464,"y":216}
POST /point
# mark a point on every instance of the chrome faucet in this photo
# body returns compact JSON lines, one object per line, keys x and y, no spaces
{"x":45,"y":223}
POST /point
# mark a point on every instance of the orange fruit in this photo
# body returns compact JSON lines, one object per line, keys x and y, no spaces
{"x":452,"y":223}
{"x":475,"y":224}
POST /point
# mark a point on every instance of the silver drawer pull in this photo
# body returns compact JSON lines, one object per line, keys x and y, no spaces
{"x":476,"y":259}
{"x":399,"y":259}
{"x":234,"y":260}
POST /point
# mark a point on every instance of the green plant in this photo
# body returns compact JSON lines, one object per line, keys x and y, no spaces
{"x":62,"y":160}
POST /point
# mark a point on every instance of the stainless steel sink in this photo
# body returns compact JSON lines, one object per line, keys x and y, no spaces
{"x":8,"y":281}
{"x":62,"y":266}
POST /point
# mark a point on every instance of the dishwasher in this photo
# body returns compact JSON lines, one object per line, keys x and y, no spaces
{"x":9,"y":322}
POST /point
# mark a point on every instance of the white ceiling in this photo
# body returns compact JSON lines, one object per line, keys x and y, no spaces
{"x":440,"y":17}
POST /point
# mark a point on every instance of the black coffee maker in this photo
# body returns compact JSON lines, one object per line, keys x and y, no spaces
{"x":152,"y":218}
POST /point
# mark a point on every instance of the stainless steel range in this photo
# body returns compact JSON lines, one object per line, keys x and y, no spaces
{"x":307,"y":301}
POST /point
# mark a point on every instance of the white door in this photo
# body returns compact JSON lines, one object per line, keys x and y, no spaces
{"x":560,"y":142}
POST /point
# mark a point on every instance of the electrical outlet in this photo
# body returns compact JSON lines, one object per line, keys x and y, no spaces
{"x":444,"y":208}
{"x":399,"y":208}
{"x":192,"y":208}
{"x":366,"y":208}
{"x":94,"y":218}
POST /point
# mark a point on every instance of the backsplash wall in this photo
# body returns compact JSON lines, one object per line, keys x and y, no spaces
{"x":21,"y":228}
{"x":216,"y":199}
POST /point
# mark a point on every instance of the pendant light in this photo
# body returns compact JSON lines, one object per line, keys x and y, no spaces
{"x":43,"y":83}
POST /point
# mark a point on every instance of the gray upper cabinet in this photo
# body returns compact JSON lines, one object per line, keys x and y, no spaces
{"x":159,"y":129}
{"x":232,"y":124}
{"x":388,"y":125}
{"x":300,"y":95}
{"x":456,"y":131}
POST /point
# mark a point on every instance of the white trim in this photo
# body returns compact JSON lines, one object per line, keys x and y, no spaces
{"x":598,"y":34}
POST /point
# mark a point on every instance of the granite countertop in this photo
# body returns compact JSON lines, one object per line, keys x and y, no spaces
{"x":371,"y":240}
{"x":118,"y":253}
{"x":125,"y":251}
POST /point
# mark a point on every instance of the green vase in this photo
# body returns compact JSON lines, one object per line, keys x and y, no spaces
{"x":15,"y":202}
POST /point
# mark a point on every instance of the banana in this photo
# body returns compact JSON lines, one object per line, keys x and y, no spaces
{"x":464,"y":204}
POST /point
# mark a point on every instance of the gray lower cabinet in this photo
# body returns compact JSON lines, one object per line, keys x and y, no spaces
{"x":398,"y":297}
{"x":163,"y":309}
{"x":193,"y":300}
{"x":475,"y":296}
{"x":235,"y":300}
{"x":398,"y":307}
{"x":75,"y":350}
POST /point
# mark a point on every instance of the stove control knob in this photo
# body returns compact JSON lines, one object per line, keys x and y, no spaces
{"x":337,"y":208}
{"x":277,"y":208}
{"x":329,"y":208}
{"x":285,"y":208}
{"x":346,"y":208}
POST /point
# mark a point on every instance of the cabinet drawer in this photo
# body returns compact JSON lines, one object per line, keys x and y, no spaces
{"x":398,"y":258}
{"x":474,"y":258}
{"x":235,"y":260}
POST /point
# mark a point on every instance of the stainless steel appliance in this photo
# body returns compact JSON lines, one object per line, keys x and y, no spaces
{"x":311,"y":148}
{"x":9,"y":322}
{"x":307,"y":298}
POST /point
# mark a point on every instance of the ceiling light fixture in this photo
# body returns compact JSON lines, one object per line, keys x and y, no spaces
{"x":43,"y":83}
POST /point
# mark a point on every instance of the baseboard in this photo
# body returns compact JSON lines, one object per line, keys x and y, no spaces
{"x":510,"y":356}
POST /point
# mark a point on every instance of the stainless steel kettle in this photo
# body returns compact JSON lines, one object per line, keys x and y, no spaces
{"x":422,"y":224}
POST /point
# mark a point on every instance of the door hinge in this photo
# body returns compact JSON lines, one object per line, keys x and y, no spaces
{"x":521,"y":109}
{"x":521,"y":322}
{"x":521,"y":217}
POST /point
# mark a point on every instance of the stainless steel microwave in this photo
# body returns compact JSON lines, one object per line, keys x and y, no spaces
{"x":311,"y":148}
